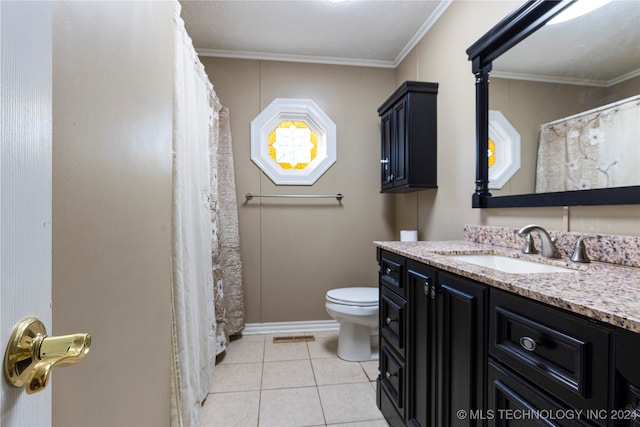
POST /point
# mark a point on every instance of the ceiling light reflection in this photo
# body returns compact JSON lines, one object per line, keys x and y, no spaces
{"x":579,"y":8}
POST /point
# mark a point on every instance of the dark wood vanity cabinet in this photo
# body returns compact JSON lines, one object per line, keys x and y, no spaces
{"x":456,"y":352}
{"x":409,"y":138}
{"x":432,"y":351}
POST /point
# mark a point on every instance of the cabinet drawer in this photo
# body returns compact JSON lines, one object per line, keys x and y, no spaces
{"x":558,"y":351}
{"x":392,"y":272}
{"x":513,"y":402}
{"x":392,"y":371}
{"x":393,"y":318}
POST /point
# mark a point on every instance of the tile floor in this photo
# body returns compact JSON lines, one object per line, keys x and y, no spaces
{"x":259,"y":383}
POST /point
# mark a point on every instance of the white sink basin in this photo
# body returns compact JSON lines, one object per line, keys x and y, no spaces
{"x":510,"y":265}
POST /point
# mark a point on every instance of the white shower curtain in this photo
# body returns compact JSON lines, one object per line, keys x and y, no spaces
{"x":227,"y":265}
{"x":194,"y":325}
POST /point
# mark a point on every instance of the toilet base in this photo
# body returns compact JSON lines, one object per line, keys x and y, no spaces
{"x":355,"y":343}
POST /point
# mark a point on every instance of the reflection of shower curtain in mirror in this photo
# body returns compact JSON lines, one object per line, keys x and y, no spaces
{"x":599,"y":148}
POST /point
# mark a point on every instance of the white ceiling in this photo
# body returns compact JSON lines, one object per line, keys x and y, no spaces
{"x":376,"y":33}
{"x":380,"y":33}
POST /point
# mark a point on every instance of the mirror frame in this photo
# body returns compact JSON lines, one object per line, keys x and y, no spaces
{"x":518,"y":25}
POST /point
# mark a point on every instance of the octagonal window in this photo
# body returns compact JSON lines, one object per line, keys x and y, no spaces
{"x":293,"y":141}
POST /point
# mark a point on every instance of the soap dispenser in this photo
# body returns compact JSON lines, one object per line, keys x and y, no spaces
{"x":580,"y":250}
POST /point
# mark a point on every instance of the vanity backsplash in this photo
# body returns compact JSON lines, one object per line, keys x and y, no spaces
{"x":610,"y":248}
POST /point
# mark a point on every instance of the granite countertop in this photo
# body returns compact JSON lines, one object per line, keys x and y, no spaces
{"x":598,"y":290}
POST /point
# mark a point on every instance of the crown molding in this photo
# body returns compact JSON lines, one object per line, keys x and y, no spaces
{"x":547,"y":79}
{"x":563,"y":80}
{"x":442,"y":6}
{"x":269,"y":56}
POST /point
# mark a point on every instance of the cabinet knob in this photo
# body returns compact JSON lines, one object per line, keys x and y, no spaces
{"x":528,"y":343}
{"x":388,"y":271}
{"x":385,"y":163}
{"x":389,"y":375}
{"x":389,"y":320}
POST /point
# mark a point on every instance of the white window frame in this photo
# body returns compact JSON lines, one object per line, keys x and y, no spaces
{"x":297,"y":110}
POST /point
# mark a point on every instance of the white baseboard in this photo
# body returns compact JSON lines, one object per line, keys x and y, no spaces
{"x":289,"y":327}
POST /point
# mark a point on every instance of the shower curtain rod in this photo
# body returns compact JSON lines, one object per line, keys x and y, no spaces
{"x":594,"y":110}
{"x":338,"y":196}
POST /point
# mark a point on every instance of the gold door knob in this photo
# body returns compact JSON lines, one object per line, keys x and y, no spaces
{"x":31,"y":354}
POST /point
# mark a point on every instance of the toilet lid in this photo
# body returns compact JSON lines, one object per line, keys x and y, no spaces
{"x":354,"y":296}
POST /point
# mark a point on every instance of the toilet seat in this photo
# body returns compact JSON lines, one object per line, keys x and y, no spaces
{"x":359,"y":297}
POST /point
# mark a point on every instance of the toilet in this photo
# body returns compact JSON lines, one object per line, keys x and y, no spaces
{"x":356,"y":311}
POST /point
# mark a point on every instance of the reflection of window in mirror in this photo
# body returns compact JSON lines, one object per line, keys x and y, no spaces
{"x":504,"y":150}
{"x":567,"y":69}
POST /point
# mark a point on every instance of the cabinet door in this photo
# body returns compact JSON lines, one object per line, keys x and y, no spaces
{"x":421,"y":356}
{"x":462,"y":356}
{"x":400,"y":151}
{"x":385,"y":155}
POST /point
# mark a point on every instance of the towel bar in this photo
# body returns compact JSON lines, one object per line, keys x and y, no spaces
{"x":338,"y":196}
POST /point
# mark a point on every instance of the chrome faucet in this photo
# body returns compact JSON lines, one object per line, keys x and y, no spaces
{"x":549,"y":249}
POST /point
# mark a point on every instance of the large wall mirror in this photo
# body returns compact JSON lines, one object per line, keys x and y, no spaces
{"x":570,"y":93}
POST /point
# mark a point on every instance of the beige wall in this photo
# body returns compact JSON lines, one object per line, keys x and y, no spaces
{"x":112,"y":123}
{"x":293,"y":251}
{"x":441,"y":57}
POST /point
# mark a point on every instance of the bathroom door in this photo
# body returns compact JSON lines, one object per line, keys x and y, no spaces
{"x":25,"y":188}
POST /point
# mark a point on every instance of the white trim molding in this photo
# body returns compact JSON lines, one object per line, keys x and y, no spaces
{"x":440,"y":9}
{"x":290,"y":327}
{"x":268,"y":56}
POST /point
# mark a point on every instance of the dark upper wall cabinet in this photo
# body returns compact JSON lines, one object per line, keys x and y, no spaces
{"x":409,"y":138}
